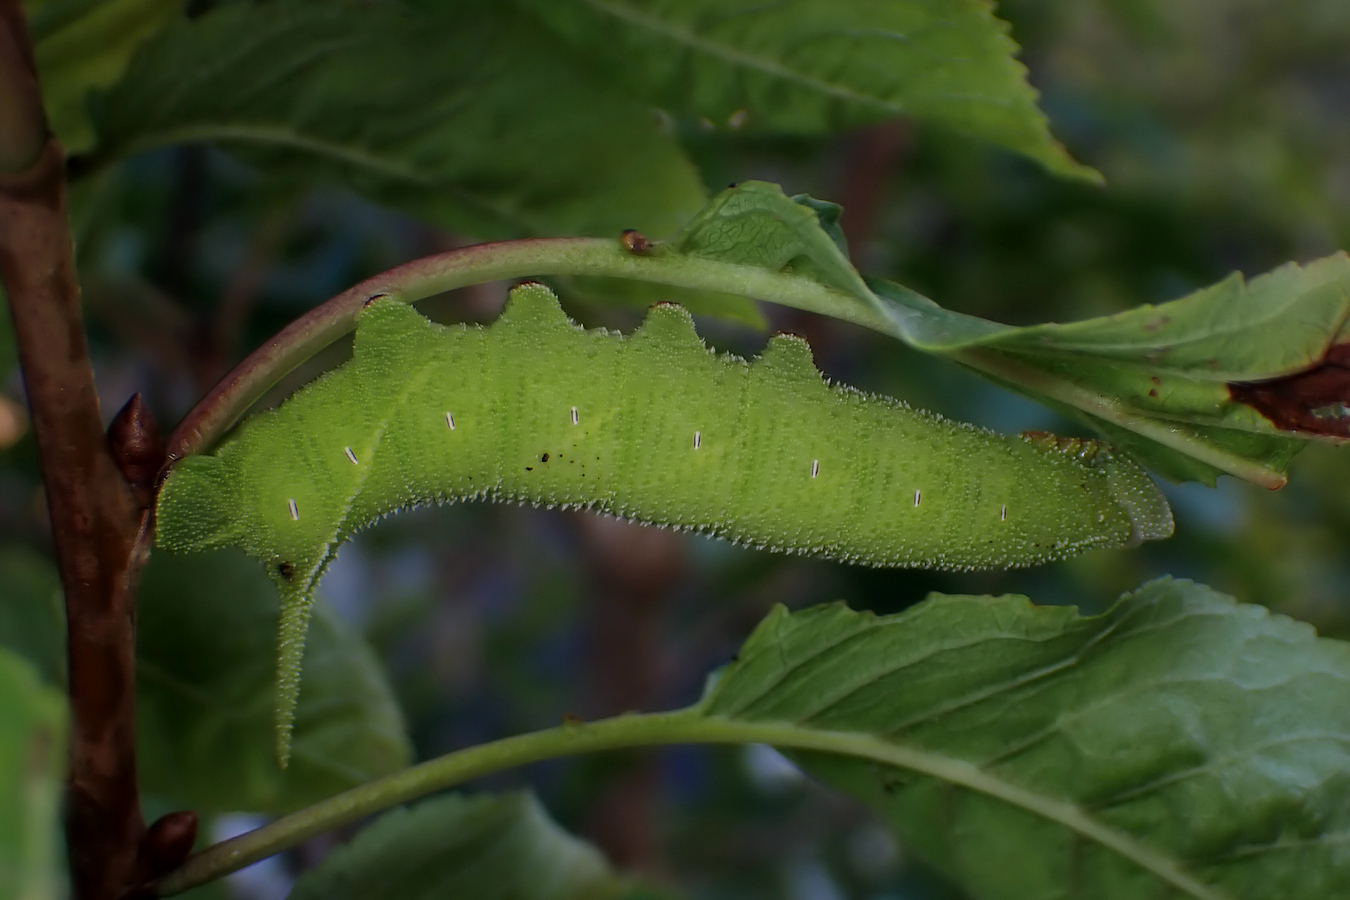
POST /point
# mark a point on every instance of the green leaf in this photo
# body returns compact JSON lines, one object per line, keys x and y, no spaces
{"x":464,"y":846}
{"x":1180,"y":375}
{"x":207,"y":627}
{"x":812,"y":66}
{"x":468,"y":114}
{"x":651,"y":427}
{"x":206,"y":631}
{"x":1177,"y":745}
{"x":755,"y":224}
{"x":83,"y":46}
{"x":32,"y":766}
{"x":1228,"y":380}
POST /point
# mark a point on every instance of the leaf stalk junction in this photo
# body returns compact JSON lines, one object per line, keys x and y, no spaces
{"x":687,"y":726}
{"x":654,"y":263}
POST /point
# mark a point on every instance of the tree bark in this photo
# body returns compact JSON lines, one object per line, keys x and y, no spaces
{"x":97,"y":523}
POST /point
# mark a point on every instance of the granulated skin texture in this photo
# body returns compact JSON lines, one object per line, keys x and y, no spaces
{"x":651,"y":427}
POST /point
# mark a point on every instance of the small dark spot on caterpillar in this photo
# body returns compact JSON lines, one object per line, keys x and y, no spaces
{"x":635,"y":241}
{"x":286,"y":570}
{"x":1155,"y":379}
{"x":1153,"y":392}
{"x":529,"y":468}
{"x":544,"y":458}
{"x":732,"y":186}
{"x":372,"y":298}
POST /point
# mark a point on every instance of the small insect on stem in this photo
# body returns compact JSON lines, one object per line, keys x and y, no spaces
{"x":450,"y":420}
{"x":635,"y":241}
{"x":574,"y":415}
{"x":295,"y":513}
{"x":351,"y":456}
{"x":918,"y":495}
{"x":815,"y":467}
{"x":698,"y":439}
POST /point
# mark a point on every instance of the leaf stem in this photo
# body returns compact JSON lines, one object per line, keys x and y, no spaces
{"x":687,"y":726}
{"x":226,"y":403}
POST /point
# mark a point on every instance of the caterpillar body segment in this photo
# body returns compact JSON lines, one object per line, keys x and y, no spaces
{"x":652,"y":427}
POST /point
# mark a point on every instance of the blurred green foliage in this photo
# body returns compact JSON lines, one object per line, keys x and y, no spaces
{"x":1221,"y":127}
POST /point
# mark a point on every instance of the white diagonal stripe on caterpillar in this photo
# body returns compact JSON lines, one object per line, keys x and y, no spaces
{"x":351,"y":456}
{"x":295,"y":513}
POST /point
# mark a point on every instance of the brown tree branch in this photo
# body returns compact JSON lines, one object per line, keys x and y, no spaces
{"x":23,"y":126}
{"x":95,"y":522}
{"x":99,"y":528}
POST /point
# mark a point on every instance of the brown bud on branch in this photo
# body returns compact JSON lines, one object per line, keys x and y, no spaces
{"x":138,"y":448}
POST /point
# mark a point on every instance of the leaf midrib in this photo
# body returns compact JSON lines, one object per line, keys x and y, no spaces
{"x":970,"y":777}
{"x":1227,"y":329}
{"x":694,"y":725}
{"x":973,"y":776}
{"x":291,"y":138}
{"x":746,"y":60}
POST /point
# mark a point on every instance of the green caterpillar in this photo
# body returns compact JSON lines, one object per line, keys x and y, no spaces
{"x":652,"y":427}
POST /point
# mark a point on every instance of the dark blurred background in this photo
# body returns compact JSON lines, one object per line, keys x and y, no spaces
{"x":1223,"y":129}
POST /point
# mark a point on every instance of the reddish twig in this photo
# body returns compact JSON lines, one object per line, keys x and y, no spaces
{"x":99,"y":525}
{"x":212,"y":417}
{"x":95,"y":524}
{"x":316,"y":329}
